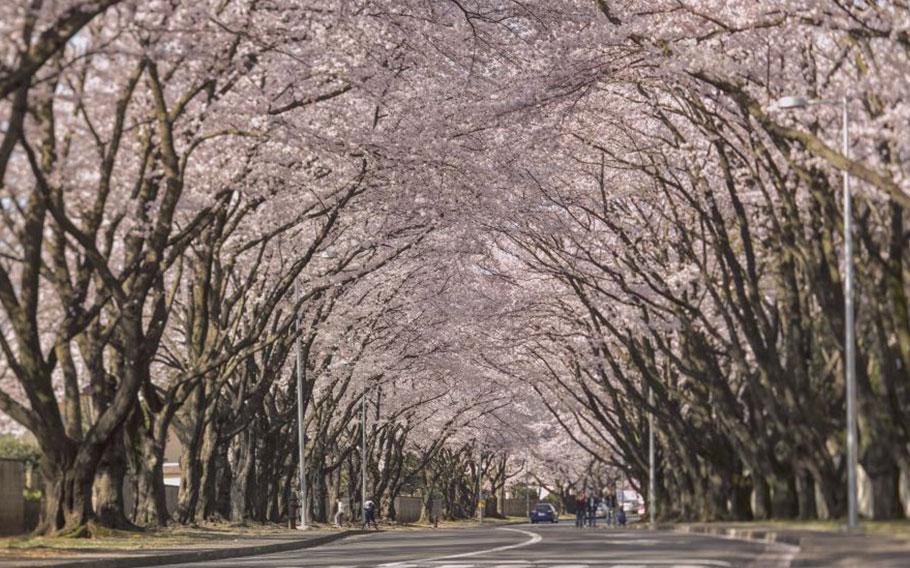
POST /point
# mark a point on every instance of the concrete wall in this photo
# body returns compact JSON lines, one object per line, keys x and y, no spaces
{"x":12,"y":503}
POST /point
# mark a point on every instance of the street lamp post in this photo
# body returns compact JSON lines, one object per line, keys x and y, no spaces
{"x":849,"y":333}
{"x":363,"y":452}
{"x":301,"y":425}
{"x":652,"y":465}
{"x":480,"y":503}
{"x":528,"y":489}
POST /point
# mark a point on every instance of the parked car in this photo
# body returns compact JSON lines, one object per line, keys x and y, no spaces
{"x":634,"y":508}
{"x":544,"y":513}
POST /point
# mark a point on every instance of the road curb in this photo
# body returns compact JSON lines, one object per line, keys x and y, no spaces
{"x":764,"y":535}
{"x":206,"y":554}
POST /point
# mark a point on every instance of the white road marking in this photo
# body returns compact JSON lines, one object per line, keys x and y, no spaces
{"x":560,"y":563}
{"x":624,"y":541}
{"x":677,"y":563}
{"x":661,"y":563}
{"x":535,"y":538}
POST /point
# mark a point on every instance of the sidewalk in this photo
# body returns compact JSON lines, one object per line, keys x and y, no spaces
{"x":153,"y":550}
{"x":820,"y":545}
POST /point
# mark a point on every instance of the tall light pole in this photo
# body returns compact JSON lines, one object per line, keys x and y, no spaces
{"x":363,"y":451}
{"x":652,"y":465}
{"x":301,"y":425}
{"x":849,"y":332}
{"x":479,"y":489}
{"x":528,"y":488}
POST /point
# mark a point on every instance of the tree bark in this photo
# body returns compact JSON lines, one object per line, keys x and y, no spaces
{"x":108,"y":487}
{"x":151,"y":495}
{"x":884,"y":477}
{"x":240,"y":480}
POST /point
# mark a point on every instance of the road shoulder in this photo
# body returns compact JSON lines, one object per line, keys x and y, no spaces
{"x":832,"y":547}
{"x":139,"y":558}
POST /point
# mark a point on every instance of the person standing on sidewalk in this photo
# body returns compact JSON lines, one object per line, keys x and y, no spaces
{"x":592,"y":504}
{"x":610,"y":503}
{"x":369,"y":514}
{"x":580,"y":509}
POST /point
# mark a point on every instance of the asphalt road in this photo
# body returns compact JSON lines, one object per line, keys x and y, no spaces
{"x":517,"y":546}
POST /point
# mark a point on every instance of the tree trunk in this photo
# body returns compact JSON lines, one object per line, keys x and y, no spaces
{"x":242,"y":469}
{"x":784,"y":504}
{"x":318,"y":496}
{"x":740,"y":508}
{"x":188,"y":494}
{"x":884,"y":477}
{"x":151,"y":502}
{"x":805,"y":490}
{"x":207,"y":492}
{"x":67,"y":495}
{"x":108,"y":487}
{"x":224,"y":475}
{"x":761,"y":509}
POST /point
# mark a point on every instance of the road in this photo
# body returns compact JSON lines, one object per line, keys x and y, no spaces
{"x":533,"y":546}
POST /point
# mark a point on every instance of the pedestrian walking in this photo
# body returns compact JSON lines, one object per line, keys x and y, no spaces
{"x":369,"y":514}
{"x":580,"y":509}
{"x":341,"y":512}
{"x":621,"y":517}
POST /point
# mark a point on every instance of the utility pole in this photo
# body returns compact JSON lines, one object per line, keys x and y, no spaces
{"x":652,"y":464}
{"x":528,"y":488}
{"x":479,"y":489}
{"x":849,"y":333}
{"x":363,"y":451}
{"x":301,"y":424}
{"x":794,"y":102}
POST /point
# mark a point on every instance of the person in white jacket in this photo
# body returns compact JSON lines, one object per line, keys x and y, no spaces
{"x":341,"y":512}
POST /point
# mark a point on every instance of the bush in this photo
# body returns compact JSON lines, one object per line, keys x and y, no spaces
{"x":17,"y":448}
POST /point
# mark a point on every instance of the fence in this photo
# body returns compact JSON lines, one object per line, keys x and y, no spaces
{"x":12,"y":501}
{"x":19,"y":515}
{"x":517,"y":507}
{"x":408,"y":509}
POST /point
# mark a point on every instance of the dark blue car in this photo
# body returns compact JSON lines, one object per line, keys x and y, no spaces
{"x":544,"y":513}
